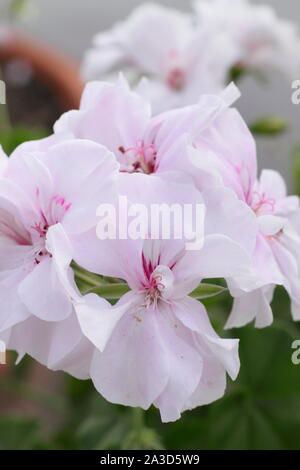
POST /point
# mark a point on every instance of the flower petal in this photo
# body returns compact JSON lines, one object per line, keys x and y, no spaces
{"x":185,"y":366}
{"x":133,"y":369}
{"x":98,"y":318}
{"x":43,"y":294}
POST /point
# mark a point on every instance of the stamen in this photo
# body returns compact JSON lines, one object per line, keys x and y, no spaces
{"x":144,"y":157}
{"x":41,"y":230}
{"x":262,"y":201}
{"x":153,"y":291}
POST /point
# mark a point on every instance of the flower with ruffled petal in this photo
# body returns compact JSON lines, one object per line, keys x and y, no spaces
{"x":115,"y":116}
{"x":46,"y":198}
{"x":226,"y":155}
{"x":156,"y":345}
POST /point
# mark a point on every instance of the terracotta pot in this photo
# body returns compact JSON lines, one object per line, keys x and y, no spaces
{"x":59,"y":73}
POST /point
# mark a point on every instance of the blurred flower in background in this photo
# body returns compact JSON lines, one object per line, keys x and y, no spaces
{"x":187,"y":54}
{"x":182,"y":58}
{"x":265,"y":42}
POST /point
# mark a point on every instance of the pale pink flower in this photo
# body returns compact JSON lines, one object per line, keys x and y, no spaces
{"x":181,"y":59}
{"x":46,"y":198}
{"x":208,"y":144}
{"x":156,"y":346}
{"x":115,"y":116}
{"x":277,"y":253}
{"x":226,"y":155}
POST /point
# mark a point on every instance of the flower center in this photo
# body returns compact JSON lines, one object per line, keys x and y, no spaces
{"x":139,"y":159}
{"x":261,"y":203}
{"x":176,"y":79}
{"x":158,"y":284}
{"x":52,"y":215}
{"x":154,"y":291}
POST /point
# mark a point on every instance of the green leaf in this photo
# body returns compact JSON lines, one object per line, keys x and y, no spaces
{"x":84,"y":279}
{"x":270,"y":126}
{"x":204,"y":291}
{"x":110,"y":291}
{"x":265,"y":402}
{"x":261,"y":410}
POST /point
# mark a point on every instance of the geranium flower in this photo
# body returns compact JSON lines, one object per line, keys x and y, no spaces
{"x":183,"y":60}
{"x":156,"y":346}
{"x":210,"y":145}
{"x":115,"y":116}
{"x":46,"y":198}
{"x":226,"y":154}
{"x":276,"y":256}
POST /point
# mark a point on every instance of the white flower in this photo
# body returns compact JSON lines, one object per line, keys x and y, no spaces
{"x":264,"y":40}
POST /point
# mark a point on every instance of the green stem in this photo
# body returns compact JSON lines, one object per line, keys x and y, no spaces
{"x":83,"y":276}
{"x":138,"y":420}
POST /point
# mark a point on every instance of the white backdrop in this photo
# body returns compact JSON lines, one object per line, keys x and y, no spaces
{"x":70,"y":25}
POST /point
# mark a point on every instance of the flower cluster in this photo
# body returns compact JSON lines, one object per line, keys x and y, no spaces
{"x":156,"y":344}
{"x":188,"y":54}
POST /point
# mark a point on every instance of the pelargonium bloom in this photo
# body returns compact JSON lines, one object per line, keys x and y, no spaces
{"x":276,"y":256}
{"x":226,"y":155}
{"x":208,"y":143}
{"x":115,"y":116}
{"x":265,"y":42}
{"x":183,"y":60}
{"x":156,"y":345}
{"x":46,"y":198}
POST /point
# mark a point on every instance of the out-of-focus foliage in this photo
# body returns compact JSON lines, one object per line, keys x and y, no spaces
{"x":296,"y":169}
{"x":12,"y":10}
{"x":19,"y":433}
{"x":236,"y":73}
{"x":11,"y":138}
{"x":17,"y":6}
{"x":269,"y":126}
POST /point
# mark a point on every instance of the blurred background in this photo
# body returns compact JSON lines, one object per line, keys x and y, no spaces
{"x":70,"y":26}
{"x":40,"y":409}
